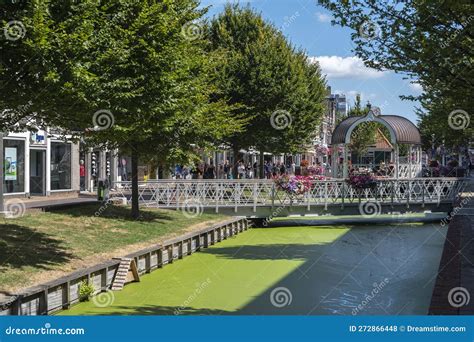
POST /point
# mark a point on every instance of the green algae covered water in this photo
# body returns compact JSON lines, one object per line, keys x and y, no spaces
{"x":342,"y":270}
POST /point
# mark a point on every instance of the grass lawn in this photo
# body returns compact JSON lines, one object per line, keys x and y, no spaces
{"x":42,"y":246}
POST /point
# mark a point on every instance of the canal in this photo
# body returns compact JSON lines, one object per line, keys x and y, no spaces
{"x":324,"y":270}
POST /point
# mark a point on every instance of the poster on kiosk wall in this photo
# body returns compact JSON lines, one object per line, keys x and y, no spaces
{"x":10,"y":163}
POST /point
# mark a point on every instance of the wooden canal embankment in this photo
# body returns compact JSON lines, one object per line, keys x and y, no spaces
{"x":61,"y":293}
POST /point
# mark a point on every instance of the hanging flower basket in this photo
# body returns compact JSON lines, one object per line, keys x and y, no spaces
{"x":362,"y":181}
{"x":322,"y":150}
{"x":315,"y":170}
{"x":296,"y":186}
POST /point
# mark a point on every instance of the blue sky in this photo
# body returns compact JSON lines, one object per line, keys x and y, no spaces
{"x":308,"y":26}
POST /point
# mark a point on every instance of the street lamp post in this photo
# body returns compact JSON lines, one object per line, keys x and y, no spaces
{"x":432,"y":146}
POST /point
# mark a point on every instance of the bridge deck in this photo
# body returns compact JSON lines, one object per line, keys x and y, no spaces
{"x":262,"y":198}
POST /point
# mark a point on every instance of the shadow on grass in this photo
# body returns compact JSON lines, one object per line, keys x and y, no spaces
{"x":110,"y":211}
{"x":23,"y":246}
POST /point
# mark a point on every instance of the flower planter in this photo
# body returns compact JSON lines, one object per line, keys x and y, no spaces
{"x":361,"y":182}
{"x":296,"y":186}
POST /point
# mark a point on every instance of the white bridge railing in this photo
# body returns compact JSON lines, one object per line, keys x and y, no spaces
{"x":255,"y":193}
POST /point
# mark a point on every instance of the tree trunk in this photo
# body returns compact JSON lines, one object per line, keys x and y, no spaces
{"x":235,"y":167}
{"x":261,"y":165}
{"x":166,"y":171}
{"x":160,"y":172}
{"x":135,"y":205}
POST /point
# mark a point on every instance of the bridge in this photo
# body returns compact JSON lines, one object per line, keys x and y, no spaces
{"x":262,"y":198}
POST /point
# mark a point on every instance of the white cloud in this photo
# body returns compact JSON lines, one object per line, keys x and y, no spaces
{"x":346,"y":67}
{"x":416,"y":87}
{"x":323,"y":17}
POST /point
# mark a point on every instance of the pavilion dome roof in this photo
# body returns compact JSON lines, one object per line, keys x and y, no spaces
{"x":402,"y":130}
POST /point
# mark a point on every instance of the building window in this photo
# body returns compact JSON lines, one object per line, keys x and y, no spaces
{"x":60,"y":166}
{"x":14,"y":165}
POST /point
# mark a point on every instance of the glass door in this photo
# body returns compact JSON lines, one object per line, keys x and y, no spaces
{"x":37,"y":172}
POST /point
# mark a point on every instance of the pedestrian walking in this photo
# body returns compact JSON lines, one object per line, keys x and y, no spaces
{"x":282,"y":169}
{"x":226,"y":170}
{"x":275,"y":170}
{"x":249,"y":171}
{"x":211,"y":171}
{"x":268,"y":170}
{"x":255,"y":170}
{"x":241,"y":170}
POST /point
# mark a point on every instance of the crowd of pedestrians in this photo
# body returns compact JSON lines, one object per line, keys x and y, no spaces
{"x":245,"y":170}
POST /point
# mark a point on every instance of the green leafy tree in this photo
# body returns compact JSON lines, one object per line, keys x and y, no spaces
{"x":357,"y":109}
{"x":367,"y":133}
{"x":133,"y":74}
{"x":268,"y":81}
{"x":429,"y":41}
{"x":364,"y":135}
{"x":23,"y":104}
{"x":433,"y":122}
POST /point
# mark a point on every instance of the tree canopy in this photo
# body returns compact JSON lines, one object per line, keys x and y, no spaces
{"x":271,"y":82}
{"x":428,"y":41}
{"x":364,"y":135}
{"x":127,"y":73}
